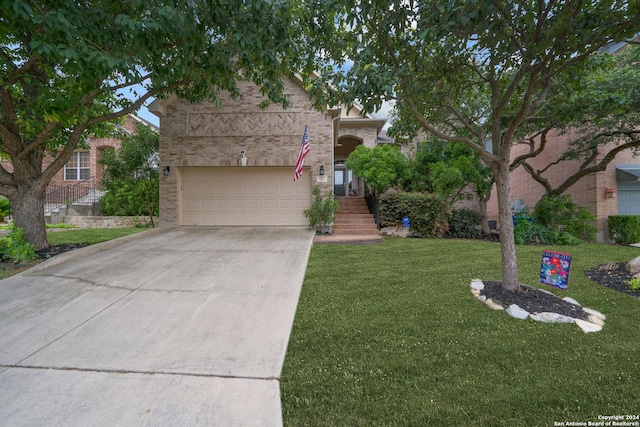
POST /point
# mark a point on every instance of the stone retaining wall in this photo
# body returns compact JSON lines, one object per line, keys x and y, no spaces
{"x":108,"y":221}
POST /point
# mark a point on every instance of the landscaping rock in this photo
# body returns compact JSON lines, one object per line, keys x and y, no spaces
{"x":595,"y":313}
{"x":633,"y":266}
{"x":572,"y":301}
{"x":596,"y":320}
{"x":395,"y":231}
{"x":477,"y":284}
{"x":494,"y":305}
{"x":548,"y":317}
{"x":587,"y":326}
{"x":538,"y":304}
{"x":515,"y":311}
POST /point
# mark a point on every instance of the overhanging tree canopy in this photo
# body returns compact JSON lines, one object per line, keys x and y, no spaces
{"x":68,"y":67}
{"x":599,"y":109}
{"x":465,"y":71}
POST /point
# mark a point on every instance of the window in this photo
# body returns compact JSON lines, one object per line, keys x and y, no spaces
{"x":78,"y":167}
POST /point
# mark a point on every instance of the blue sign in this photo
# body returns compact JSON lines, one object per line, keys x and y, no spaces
{"x":405,"y":221}
{"x":554,"y":269}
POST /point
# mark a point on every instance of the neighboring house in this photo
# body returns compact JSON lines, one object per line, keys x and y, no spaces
{"x":204,"y":181}
{"x":615,"y":191}
{"x":83,"y":164}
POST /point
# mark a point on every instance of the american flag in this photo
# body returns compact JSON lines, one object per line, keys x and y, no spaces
{"x":304,"y":150}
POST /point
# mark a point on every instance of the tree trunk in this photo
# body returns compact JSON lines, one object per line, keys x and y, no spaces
{"x":510,"y":280}
{"x":484,"y":222}
{"x":28,"y":213}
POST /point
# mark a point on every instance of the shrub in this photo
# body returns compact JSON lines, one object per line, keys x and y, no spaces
{"x":322,"y":212}
{"x":427,"y":213}
{"x":464,"y":223}
{"x":624,"y":229}
{"x":561,"y":214}
{"x":5,"y":207}
{"x":634,"y":284}
{"x":15,"y":248}
{"x":528,"y":232}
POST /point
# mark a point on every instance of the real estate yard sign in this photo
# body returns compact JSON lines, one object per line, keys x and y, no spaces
{"x":554,"y":269}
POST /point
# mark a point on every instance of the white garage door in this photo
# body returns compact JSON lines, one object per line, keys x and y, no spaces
{"x":243,"y":196}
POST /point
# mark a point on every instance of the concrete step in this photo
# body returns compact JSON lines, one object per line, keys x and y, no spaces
{"x":355,"y":210}
{"x":353,"y":218}
{"x":354,"y":231}
{"x":355,"y":221}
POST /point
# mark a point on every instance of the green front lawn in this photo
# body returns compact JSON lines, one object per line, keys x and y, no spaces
{"x":391,"y":335}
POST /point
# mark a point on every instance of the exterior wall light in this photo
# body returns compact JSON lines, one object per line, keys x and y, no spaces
{"x":166,"y":170}
{"x":610,"y":193}
{"x":321,"y":170}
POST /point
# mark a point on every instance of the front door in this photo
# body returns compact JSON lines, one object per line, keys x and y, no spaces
{"x":339,"y":182}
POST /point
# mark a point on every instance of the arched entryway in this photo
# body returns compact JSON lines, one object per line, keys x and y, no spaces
{"x":345,"y":183}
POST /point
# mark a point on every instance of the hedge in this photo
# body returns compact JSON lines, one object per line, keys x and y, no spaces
{"x":624,"y":229}
{"x":428,"y":214}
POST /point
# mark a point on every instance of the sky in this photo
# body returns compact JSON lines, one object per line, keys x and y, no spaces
{"x":145,"y":114}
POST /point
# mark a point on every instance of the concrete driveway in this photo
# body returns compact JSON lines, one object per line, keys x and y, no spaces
{"x":173,"y":326}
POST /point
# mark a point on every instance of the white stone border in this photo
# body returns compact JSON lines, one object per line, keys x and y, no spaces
{"x":595,"y":323}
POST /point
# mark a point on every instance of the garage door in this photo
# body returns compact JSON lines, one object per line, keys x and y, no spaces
{"x":628,"y":200}
{"x":243,"y":196}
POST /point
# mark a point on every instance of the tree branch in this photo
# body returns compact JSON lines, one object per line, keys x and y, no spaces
{"x":583,"y":170}
{"x":533,"y":152}
{"x":539,"y":178}
{"x":18,"y":72}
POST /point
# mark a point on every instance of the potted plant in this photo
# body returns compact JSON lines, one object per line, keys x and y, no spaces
{"x":322,"y":212}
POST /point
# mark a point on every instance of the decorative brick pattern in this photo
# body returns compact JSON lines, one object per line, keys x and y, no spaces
{"x":233,"y":124}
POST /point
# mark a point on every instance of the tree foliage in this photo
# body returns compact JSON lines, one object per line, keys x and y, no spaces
{"x":131,"y":179}
{"x":465,"y":71}
{"x":68,"y":67}
{"x":381,"y":167}
{"x":450,"y":171}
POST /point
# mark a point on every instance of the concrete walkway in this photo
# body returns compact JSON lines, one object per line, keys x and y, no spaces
{"x":174,"y":326}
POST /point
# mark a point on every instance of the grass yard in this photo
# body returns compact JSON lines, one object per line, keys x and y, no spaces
{"x":391,"y":335}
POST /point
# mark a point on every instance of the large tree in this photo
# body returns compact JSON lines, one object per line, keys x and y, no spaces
{"x":437,"y":59}
{"x":66,"y":67}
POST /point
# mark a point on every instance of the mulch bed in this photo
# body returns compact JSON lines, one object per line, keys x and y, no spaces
{"x":613,"y":275}
{"x":532,"y":300}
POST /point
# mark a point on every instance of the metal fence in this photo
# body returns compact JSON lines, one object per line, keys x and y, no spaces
{"x":83,"y":192}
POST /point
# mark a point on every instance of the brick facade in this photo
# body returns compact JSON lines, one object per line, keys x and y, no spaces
{"x":211,"y":134}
